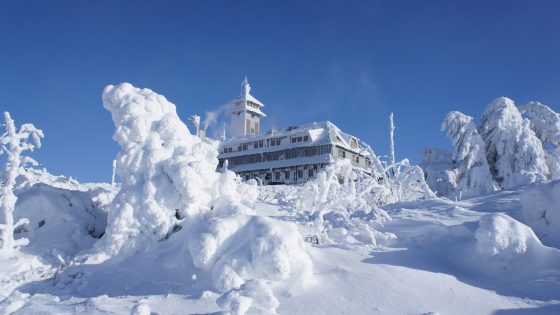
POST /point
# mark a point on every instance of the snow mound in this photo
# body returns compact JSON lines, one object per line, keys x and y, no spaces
{"x":506,"y":247}
{"x":502,"y":238}
{"x":61,"y":221}
{"x":541,"y":211}
{"x":255,"y":295}
{"x":243,"y":247}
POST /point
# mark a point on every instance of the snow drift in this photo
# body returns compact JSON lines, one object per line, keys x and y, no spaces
{"x":541,"y":211}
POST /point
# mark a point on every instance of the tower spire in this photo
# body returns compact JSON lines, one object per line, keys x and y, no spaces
{"x":245,"y":87}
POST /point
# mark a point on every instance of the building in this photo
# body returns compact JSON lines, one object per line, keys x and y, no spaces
{"x":289,"y":156}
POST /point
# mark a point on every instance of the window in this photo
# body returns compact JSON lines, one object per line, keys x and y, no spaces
{"x":310,"y":172}
{"x":299,"y":139}
{"x":341,"y":153}
{"x":300,"y":173}
{"x":306,"y":138}
{"x":287,"y":175}
{"x":252,"y":130}
{"x":261,"y":143}
{"x":239,"y":148}
{"x":245,"y":146}
{"x":294,"y":140}
{"x":277,"y":175}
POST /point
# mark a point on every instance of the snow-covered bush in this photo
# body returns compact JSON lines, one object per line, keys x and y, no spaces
{"x":341,"y":196}
{"x":513,"y":151}
{"x":473,"y":173}
{"x":541,"y":211}
{"x":13,"y":143}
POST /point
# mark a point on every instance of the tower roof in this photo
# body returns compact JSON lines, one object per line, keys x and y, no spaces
{"x":246,"y":97}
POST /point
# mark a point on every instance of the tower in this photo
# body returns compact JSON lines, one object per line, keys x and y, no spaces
{"x":245,"y":113}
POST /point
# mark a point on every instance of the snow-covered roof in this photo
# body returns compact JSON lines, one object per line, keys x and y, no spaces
{"x":318,"y":133}
{"x":245,"y":98}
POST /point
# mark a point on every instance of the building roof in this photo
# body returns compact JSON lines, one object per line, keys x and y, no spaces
{"x":244,"y":98}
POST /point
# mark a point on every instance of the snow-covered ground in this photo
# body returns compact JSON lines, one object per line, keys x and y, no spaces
{"x":449,"y":257}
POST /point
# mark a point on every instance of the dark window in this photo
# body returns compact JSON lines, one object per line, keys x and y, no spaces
{"x":341,"y":153}
{"x":300,"y":173}
{"x":287,"y":175}
{"x":305,"y":138}
{"x":277,"y":175}
{"x":310,"y":172}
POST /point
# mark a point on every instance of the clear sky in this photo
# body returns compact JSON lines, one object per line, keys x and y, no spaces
{"x":350,"y":62}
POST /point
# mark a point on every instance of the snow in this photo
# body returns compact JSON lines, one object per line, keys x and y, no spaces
{"x":541,"y":211}
{"x":176,"y":236}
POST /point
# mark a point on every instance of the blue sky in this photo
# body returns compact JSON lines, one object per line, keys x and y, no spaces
{"x":350,"y":62}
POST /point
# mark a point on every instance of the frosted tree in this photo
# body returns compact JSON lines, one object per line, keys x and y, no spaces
{"x":513,"y":151}
{"x":440,"y":171}
{"x":546,"y":125}
{"x":473,"y":173}
{"x":392,"y":142}
{"x":13,"y":142}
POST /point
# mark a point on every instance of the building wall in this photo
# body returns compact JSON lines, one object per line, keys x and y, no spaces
{"x":237,"y":124}
{"x":252,"y":123}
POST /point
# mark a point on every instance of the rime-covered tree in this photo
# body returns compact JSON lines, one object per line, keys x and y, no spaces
{"x":473,"y":173}
{"x":513,"y":151}
{"x":546,"y":125}
{"x":13,"y":142}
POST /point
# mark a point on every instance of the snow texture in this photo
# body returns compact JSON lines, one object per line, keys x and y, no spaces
{"x":541,"y":211}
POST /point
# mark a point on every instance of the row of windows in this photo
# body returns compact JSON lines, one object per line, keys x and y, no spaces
{"x":355,"y":157}
{"x":300,"y":139}
{"x":278,"y":155}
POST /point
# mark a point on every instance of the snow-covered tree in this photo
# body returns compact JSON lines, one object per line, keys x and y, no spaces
{"x":13,"y":142}
{"x":513,"y":151}
{"x":546,"y":125}
{"x":473,"y":173}
{"x":165,"y":172}
{"x":440,"y":171}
